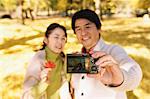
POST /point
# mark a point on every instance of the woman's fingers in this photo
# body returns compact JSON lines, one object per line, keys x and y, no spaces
{"x":45,"y":73}
{"x":27,"y":95}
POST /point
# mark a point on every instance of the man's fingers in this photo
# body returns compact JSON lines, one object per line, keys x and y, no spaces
{"x":98,"y":54}
{"x":106,"y":64}
{"x":107,"y":59}
{"x":92,"y":75}
{"x":102,"y":71}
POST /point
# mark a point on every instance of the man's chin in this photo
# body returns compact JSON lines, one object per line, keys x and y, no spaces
{"x":86,"y":46}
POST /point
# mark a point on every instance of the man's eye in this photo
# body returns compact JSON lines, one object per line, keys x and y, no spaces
{"x":88,"y":27}
{"x":56,"y":37}
{"x":77,"y":29}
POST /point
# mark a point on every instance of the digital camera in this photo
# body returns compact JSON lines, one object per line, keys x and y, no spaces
{"x":81,"y":63}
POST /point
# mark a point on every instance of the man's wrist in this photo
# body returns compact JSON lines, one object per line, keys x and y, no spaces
{"x":118,"y":84}
{"x":114,"y":85}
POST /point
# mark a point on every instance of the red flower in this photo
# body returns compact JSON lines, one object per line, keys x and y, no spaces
{"x":50,"y":64}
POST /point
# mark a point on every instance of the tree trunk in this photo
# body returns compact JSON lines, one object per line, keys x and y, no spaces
{"x":36,"y":7}
{"x":21,"y":11}
{"x":98,"y":8}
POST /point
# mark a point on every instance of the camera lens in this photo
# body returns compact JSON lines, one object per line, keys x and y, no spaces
{"x":92,"y":60}
{"x":96,"y":59}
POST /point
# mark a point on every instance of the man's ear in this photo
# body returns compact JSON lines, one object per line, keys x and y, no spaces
{"x":45,"y":40}
{"x":100,"y":31}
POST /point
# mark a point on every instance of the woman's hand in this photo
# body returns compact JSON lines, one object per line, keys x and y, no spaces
{"x":45,"y":75}
{"x":109,"y":70}
{"x":27,"y":95}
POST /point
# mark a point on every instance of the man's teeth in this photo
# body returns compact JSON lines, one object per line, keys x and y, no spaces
{"x":85,"y":38}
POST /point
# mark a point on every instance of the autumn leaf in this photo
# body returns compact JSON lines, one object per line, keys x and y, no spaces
{"x":50,"y":64}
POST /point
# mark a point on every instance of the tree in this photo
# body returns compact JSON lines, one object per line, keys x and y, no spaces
{"x":88,"y":4}
{"x":98,"y":7}
{"x":53,"y":4}
{"x":25,"y":7}
{"x":145,"y":4}
{"x":62,"y":5}
{"x":8,"y":5}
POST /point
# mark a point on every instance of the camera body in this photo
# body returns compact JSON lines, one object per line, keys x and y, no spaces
{"x":81,"y":63}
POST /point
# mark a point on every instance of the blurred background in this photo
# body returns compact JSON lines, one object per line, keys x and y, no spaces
{"x":23,"y":23}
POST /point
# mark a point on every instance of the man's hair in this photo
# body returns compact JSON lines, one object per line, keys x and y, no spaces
{"x":86,"y":14}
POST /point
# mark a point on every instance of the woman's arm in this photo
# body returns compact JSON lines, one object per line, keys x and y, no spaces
{"x":33,"y":85}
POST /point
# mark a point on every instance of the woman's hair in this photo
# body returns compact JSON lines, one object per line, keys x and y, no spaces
{"x":86,"y":14}
{"x":50,"y":29}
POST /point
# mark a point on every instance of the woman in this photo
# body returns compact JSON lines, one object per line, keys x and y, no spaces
{"x":46,"y":72}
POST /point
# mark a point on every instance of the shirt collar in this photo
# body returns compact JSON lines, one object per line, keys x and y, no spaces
{"x":100,"y":44}
{"x":50,"y":55}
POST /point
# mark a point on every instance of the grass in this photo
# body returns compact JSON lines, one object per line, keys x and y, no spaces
{"x":18,"y":42}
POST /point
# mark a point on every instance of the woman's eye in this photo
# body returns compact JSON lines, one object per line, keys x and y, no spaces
{"x":63,"y":39}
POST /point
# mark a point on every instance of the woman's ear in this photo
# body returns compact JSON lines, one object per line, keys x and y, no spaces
{"x":100,"y":30}
{"x":45,"y":40}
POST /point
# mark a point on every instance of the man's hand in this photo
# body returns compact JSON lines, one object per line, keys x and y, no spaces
{"x":110,"y":73}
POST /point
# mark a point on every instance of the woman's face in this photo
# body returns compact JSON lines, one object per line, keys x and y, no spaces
{"x":56,"y":40}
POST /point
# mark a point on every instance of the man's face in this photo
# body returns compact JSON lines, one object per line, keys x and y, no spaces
{"x":86,"y":32}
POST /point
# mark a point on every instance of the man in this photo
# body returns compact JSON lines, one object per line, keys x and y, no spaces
{"x":117,"y":74}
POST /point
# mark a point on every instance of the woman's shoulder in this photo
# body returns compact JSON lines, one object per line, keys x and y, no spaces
{"x":39,"y":54}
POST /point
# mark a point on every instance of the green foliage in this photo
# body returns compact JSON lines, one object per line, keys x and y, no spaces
{"x":145,"y":4}
{"x":62,"y":5}
{"x":87,"y":4}
{"x":109,"y":6}
{"x":1,"y":5}
{"x":9,"y":5}
{"x":10,"y":87}
{"x":53,"y":4}
{"x":29,"y":4}
{"x":43,"y":4}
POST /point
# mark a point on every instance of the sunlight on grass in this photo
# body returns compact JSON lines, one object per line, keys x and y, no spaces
{"x":141,"y":94}
{"x":18,"y":42}
{"x":35,"y":41}
{"x":143,"y":91}
{"x":140,"y":52}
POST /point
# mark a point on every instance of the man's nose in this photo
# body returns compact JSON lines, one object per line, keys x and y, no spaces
{"x":83,"y":31}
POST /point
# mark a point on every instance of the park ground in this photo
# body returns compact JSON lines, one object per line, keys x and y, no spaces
{"x":18,"y":44}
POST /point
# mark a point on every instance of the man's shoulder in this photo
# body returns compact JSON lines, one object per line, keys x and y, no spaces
{"x":115,"y":49}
